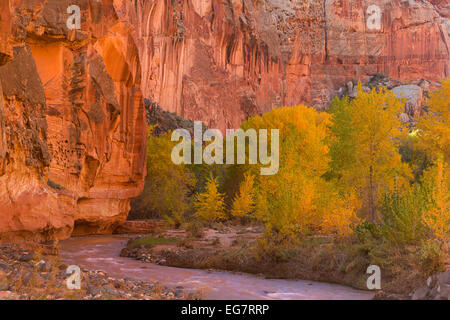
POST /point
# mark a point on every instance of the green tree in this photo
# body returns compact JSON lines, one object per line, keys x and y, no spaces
{"x":168,"y":186}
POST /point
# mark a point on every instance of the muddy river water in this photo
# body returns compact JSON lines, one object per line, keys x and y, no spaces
{"x":102,"y":253}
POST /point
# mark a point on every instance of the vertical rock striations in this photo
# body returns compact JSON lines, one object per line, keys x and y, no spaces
{"x":222,"y":60}
{"x":72,"y":121}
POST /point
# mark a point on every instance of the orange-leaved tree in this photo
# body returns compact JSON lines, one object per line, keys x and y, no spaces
{"x":434,"y":136}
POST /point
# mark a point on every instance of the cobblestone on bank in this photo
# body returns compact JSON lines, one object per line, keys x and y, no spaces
{"x":27,"y":274}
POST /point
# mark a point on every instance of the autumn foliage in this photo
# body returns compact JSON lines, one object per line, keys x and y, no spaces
{"x":168,"y":186}
{"x":244,"y":202}
{"x":364,"y":148}
{"x":434,"y":126}
{"x":340,"y":172}
{"x":210,"y":205}
{"x":298,"y":200}
{"x":437,"y":216}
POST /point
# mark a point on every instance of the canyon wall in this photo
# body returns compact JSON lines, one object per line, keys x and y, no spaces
{"x":220,"y":61}
{"x":72,"y":120}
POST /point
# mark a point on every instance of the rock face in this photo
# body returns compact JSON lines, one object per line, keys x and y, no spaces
{"x":414,"y":97}
{"x":221,"y":61}
{"x":72,"y":123}
{"x":72,"y":120}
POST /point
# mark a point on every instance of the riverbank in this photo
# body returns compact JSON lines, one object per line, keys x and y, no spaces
{"x":240,"y":249}
{"x":37,"y":273}
{"x":33,"y":274}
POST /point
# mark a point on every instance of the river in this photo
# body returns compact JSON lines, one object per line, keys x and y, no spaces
{"x":102,"y":253}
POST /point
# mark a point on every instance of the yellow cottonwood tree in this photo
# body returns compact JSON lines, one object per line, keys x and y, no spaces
{"x":210,"y":205}
{"x":296,"y":200}
{"x":244,"y":202}
{"x":435,"y":124}
{"x":437,"y":218}
{"x":364,"y":132}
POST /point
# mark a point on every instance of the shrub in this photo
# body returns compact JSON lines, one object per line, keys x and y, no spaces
{"x":340,"y":212}
{"x":431,"y":257}
{"x":194,"y":229}
{"x":366,"y":231}
{"x":209,"y":205}
{"x":414,"y":154}
{"x":244,"y":202}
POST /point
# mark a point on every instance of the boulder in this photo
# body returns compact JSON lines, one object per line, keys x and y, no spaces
{"x":437,"y":288}
{"x":420,"y":293}
{"x":414,"y":99}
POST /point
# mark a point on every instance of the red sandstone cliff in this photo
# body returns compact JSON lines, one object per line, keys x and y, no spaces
{"x":219,"y":61}
{"x":72,"y":128}
{"x":72,"y":122}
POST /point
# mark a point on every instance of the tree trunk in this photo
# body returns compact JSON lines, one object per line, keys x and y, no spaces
{"x":371,"y":196}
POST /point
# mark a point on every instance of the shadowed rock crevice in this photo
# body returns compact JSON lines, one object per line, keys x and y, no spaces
{"x":72,"y":124}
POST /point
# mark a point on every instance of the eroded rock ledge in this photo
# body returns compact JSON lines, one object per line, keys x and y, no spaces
{"x":72,"y":121}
